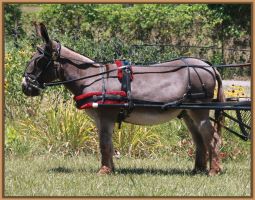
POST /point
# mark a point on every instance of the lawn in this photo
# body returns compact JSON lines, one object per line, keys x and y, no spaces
{"x":76,"y":176}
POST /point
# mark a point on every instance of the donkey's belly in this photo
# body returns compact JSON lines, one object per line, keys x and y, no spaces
{"x":151,"y":116}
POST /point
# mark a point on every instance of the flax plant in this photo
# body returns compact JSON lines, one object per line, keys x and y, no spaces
{"x":61,"y":129}
{"x":137,"y":141}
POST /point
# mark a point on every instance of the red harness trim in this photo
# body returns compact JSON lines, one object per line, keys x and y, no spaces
{"x":88,"y":95}
{"x":119,"y":64}
{"x":91,"y":94}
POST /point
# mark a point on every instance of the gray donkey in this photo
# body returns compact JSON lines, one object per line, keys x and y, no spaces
{"x":165,"y":82}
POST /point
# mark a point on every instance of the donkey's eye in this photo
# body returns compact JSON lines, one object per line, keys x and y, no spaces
{"x":29,"y":70}
{"x":41,"y":62}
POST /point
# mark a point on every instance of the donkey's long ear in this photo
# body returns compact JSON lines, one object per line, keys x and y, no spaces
{"x":42,"y":32}
{"x":37,"y":31}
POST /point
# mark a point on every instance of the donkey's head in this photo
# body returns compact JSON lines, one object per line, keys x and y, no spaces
{"x":41,"y":68}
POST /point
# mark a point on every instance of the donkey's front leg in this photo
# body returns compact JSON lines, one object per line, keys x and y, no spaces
{"x":105,"y":129}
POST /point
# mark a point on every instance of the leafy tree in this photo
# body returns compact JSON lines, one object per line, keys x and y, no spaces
{"x":235,"y":18}
{"x":12,"y":16}
{"x":72,"y":19}
{"x":106,"y":31}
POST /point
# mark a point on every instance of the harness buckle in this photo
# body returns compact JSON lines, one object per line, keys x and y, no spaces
{"x":54,"y":56}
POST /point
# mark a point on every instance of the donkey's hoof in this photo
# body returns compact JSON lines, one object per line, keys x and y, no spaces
{"x":214,"y":172}
{"x":104,"y":170}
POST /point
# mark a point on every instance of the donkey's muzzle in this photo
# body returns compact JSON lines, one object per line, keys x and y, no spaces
{"x":28,"y":89}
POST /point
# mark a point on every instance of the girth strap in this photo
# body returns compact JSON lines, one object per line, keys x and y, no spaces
{"x":125,"y":76}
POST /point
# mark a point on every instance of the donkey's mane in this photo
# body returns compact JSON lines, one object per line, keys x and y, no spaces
{"x":76,"y":54}
{"x":72,"y":49}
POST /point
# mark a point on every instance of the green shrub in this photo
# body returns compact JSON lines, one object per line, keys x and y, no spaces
{"x":15,"y":143}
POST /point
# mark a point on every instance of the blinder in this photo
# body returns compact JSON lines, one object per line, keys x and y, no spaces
{"x":30,"y":76}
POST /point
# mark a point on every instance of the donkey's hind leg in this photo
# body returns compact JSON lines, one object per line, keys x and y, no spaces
{"x":211,"y":138}
{"x":201,"y":150}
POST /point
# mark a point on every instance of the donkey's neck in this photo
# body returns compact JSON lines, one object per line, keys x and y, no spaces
{"x":69,"y":71}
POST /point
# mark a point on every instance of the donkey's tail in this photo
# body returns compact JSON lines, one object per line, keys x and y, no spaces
{"x":220,"y":98}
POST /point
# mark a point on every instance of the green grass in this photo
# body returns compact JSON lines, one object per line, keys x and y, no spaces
{"x":76,"y":176}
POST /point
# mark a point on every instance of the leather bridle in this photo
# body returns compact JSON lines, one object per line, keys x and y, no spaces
{"x":32,"y":77}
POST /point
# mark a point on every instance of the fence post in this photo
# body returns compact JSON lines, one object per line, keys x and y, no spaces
{"x":222,"y":49}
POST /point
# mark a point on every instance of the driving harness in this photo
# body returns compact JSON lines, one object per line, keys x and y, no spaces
{"x":123,"y":98}
{"x":119,"y":99}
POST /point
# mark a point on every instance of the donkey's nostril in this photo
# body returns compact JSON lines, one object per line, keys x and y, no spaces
{"x":28,"y":89}
{"x":25,"y":89}
{"x":24,"y":82}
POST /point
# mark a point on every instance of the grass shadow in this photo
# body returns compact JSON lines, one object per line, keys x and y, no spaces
{"x":136,"y":171}
{"x":66,"y":170}
{"x":60,"y":170}
{"x":152,"y":171}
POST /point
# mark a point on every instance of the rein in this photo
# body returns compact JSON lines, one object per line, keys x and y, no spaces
{"x":55,"y":56}
{"x":82,"y":78}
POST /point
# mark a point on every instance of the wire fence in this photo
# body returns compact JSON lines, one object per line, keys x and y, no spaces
{"x":144,"y":54}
